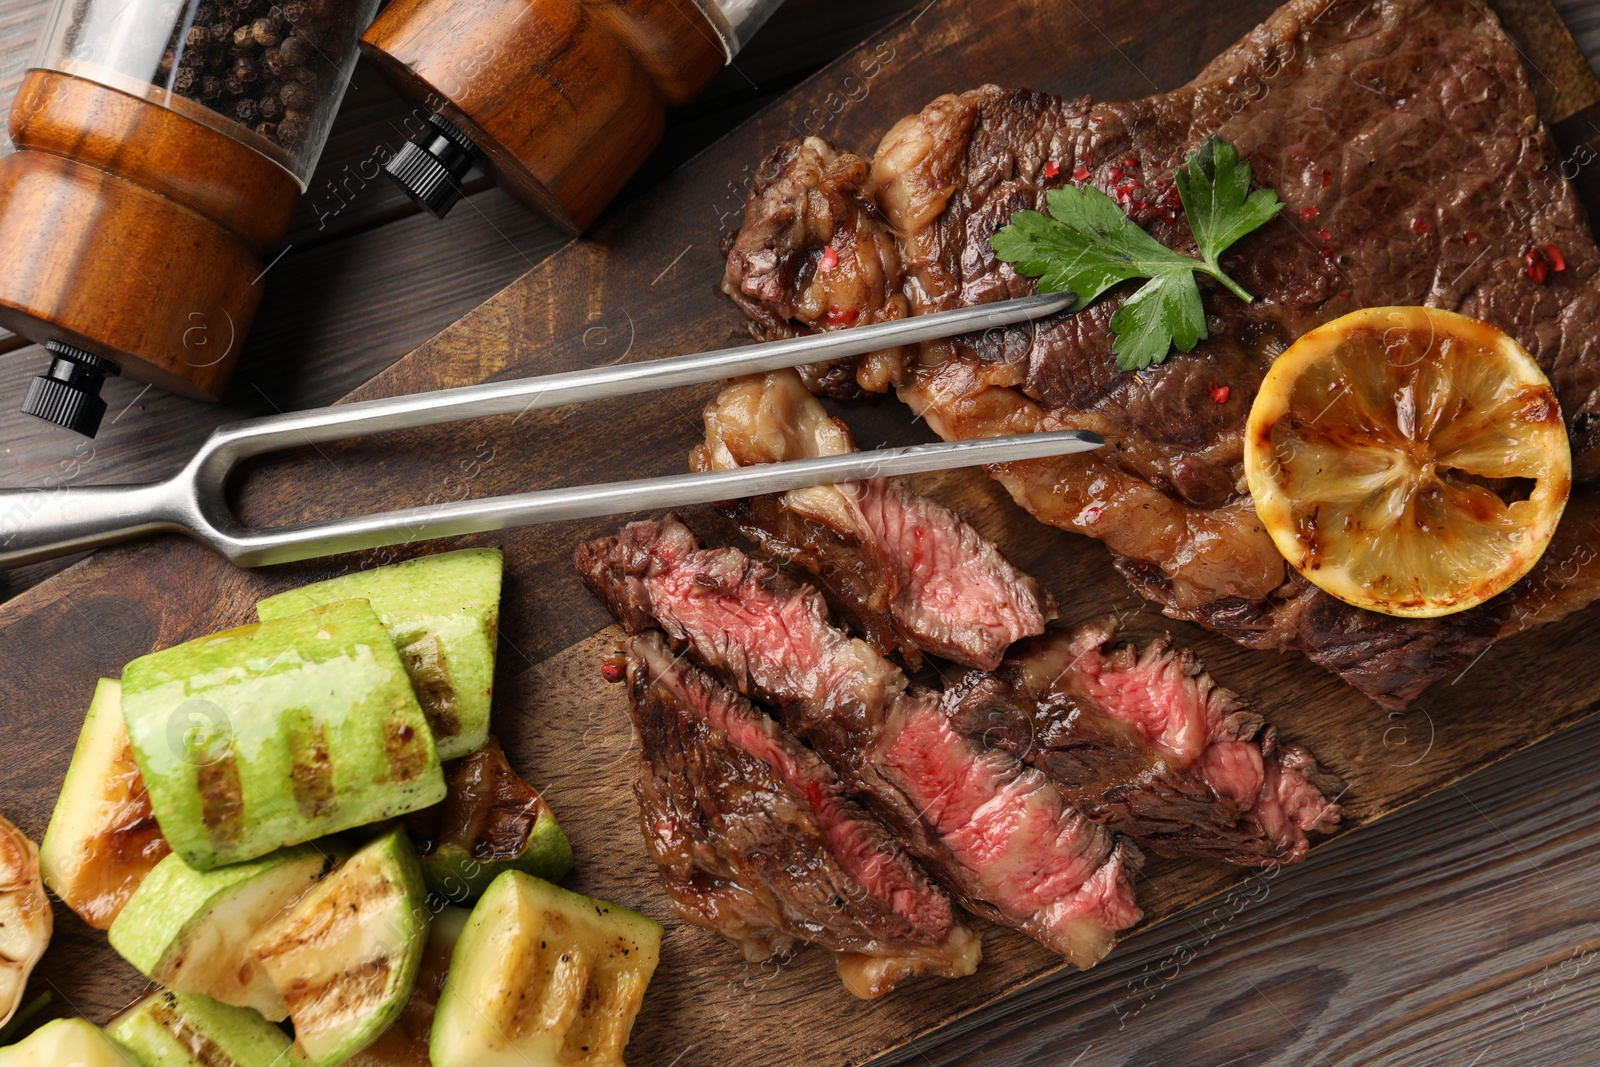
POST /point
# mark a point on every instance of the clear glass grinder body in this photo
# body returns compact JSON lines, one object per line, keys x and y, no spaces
{"x":737,"y":20}
{"x":268,"y":74}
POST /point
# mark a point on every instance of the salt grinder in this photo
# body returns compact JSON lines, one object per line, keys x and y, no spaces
{"x":560,"y":101}
{"x":161,"y":147}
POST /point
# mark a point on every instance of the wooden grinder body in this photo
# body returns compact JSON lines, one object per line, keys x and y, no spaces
{"x":564,"y":98}
{"x":135,"y":232}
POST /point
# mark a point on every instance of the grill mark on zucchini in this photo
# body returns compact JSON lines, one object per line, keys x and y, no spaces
{"x":321,"y":999}
{"x":430,"y":677}
{"x":406,"y":751}
{"x":310,"y":770}
{"x":205,"y":1052}
{"x":221,"y":795}
{"x":314,"y":1008}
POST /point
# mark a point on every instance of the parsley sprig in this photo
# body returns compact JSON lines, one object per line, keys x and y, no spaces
{"x":1086,"y":245}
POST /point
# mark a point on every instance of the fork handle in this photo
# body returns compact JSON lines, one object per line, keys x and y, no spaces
{"x":37,"y":524}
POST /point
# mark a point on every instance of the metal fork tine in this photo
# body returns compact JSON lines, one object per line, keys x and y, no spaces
{"x":573,"y":387}
{"x":36,"y":524}
{"x":252,"y":548}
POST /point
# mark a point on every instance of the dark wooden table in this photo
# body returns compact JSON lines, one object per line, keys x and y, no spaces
{"x":1465,"y":930}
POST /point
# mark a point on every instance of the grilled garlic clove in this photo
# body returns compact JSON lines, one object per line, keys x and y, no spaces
{"x":25,"y":921}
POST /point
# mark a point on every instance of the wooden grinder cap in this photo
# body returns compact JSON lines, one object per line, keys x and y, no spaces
{"x":130,"y":242}
{"x":560,"y":101}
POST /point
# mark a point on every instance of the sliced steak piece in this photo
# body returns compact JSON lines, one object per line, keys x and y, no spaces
{"x":756,"y":839}
{"x":1147,"y":744}
{"x":991,"y":830}
{"x":1000,"y":835}
{"x":1391,"y":660}
{"x":909,"y":573}
{"x":1401,"y":135}
{"x":768,"y":635}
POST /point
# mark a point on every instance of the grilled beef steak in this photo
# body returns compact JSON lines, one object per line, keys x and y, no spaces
{"x":756,"y":840}
{"x":1402,"y":136}
{"x":993,"y":831}
{"x":820,"y":206}
{"x":909,"y":573}
{"x":1146,"y":743}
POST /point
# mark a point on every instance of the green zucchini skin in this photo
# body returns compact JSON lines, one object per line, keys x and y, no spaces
{"x":78,"y":1042}
{"x":443,"y":612}
{"x":453,"y":873}
{"x":491,"y":821}
{"x":278,"y":733}
{"x":190,"y":930}
{"x":169,"y":1029}
{"x":346,"y":955}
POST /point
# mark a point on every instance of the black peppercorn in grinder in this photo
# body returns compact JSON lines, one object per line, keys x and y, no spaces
{"x":162,"y":145}
{"x":560,"y":101}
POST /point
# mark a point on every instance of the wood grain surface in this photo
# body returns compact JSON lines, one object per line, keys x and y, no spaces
{"x":1475,"y":898}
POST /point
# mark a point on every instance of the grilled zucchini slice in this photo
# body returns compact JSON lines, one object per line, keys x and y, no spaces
{"x":103,"y":838}
{"x":65,"y":1043}
{"x":278,"y":733}
{"x":191,"y":930}
{"x":543,"y":977}
{"x":491,"y":821}
{"x":344,"y":958}
{"x":169,"y":1029}
{"x":443,"y":612}
{"x":405,"y":1044}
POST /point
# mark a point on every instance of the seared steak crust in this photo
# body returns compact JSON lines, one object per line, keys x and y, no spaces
{"x":1389,"y":659}
{"x":1147,"y":744}
{"x":816,"y":256}
{"x":756,"y":840}
{"x":1402,"y":136}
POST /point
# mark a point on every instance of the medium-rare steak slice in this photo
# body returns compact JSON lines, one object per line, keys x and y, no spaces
{"x":909,"y":573}
{"x":756,"y":840}
{"x":1401,"y":134}
{"x":744,"y":620}
{"x":993,"y":831}
{"x":1146,"y":743}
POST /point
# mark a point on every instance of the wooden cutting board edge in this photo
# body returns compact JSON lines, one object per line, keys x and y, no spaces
{"x":1583,"y":96}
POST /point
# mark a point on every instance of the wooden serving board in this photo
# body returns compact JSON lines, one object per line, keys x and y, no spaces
{"x":645,"y":286}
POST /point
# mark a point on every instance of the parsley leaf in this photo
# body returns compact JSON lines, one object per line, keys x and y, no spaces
{"x":1086,"y":245}
{"x":1215,"y":190}
{"x":1164,"y":312}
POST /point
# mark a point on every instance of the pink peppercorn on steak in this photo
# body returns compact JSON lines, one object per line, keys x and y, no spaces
{"x":1401,"y":137}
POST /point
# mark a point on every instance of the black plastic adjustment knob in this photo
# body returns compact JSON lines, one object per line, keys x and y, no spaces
{"x":68,"y":394}
{"x":430,"y":166}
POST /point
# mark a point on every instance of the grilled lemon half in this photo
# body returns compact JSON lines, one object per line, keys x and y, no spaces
{"x":1408,"y":460}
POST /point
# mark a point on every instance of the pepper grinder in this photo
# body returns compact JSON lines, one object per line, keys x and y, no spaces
{"x":161,"y":147}
{"x":560,"y":101}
